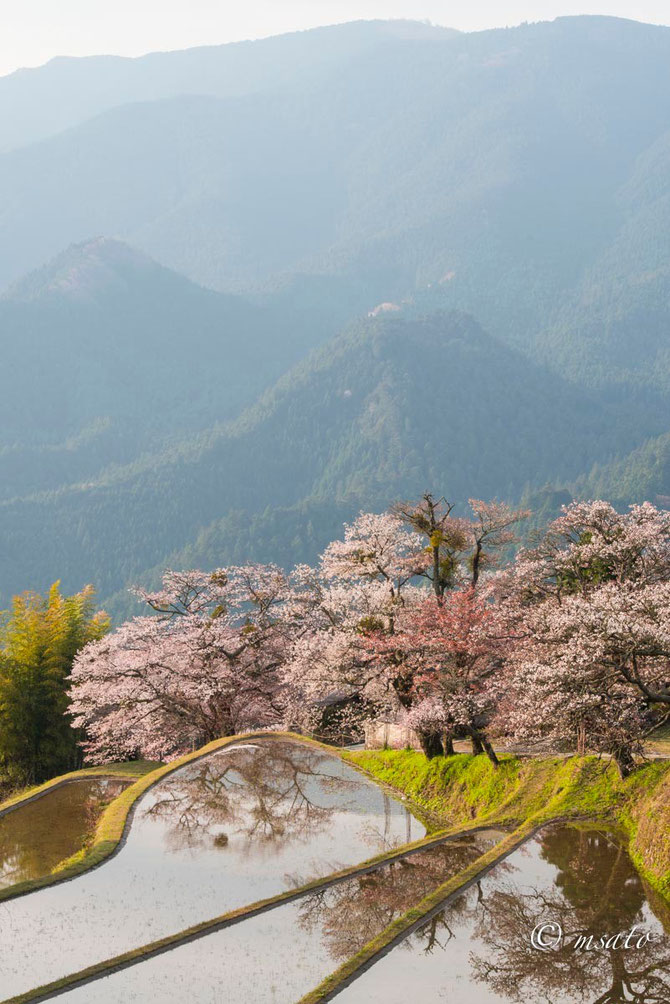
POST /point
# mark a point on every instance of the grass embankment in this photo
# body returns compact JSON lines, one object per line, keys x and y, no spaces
{"x":129,"y":769}
{"x":468,"y":790}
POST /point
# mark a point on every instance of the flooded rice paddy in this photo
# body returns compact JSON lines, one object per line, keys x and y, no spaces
{"x":566,"y":885}
{"x":279,"y":956}
{"x":36,"y":836}
{"x":237,"y":826}
{"x":566,"y":919}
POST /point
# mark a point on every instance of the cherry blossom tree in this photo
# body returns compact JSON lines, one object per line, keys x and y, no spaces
{"x":446,"y":538}
{"x":374,"y":635}
{"x":376,"y":548}
{"x":490,"y":531}
{"x":589,"y":609}
{"x":205,"y":664}
{"x":453,"y":651}
{"x":361,"y":586}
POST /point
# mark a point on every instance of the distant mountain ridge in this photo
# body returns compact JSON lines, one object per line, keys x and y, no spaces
{"x":107,"y":354}
{"x":380,"y":259}
{"x":512,"y":161}
{"x":40,"y":102}
{"x":100,"y":266}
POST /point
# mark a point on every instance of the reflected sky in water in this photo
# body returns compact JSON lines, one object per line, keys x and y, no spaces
{"x":235,"y":827}
{"x":478,"y":950}
{"x":277,"y":957}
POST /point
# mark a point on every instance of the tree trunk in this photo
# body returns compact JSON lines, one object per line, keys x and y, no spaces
{"x":476,"y":558}
{"x":477,"y":746}
{"x":403,"y":684}
{"x":490,"y":752}
{"x":431,"y":744}
{"x":625,"y":761}
{"x":437,"y":585}
{"x":448,"y":743}
{"x":480,"y":744}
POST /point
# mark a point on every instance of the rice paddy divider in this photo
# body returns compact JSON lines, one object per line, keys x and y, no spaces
{"x":125,"y":960}
{"x":419,"y":915}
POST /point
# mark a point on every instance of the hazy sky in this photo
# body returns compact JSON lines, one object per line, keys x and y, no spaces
{"x":32,"y":31}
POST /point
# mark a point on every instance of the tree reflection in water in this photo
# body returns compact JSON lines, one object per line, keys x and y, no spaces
{"x":596,"y":892}
{"x":347,"y":916}
{"x":274,"y":793}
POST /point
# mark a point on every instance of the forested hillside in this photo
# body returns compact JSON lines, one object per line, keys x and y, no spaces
{"x":392,"y":257}
{"x":390,"y":405}
{"x":107,"y":355}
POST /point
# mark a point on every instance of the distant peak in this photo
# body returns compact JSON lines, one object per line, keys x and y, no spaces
{"x":85,"y":270}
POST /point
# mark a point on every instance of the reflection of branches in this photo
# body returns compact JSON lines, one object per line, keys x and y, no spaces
{"x":349,"y":914}
{"x":429,"y":932}
{"x":272,"y":792}
{"x":597,"y":892}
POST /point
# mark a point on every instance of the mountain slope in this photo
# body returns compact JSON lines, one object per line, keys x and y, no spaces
{"x":495,"y":168}
{"x":644,"y":473}
{"x":394,"y":406}
{"x":106,"y":354}
{"x":40,"y":102}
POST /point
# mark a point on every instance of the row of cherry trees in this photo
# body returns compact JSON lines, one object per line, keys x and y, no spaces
{"x":414,"y":615}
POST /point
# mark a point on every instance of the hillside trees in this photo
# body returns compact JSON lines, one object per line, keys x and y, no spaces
{"x":38,"y":643}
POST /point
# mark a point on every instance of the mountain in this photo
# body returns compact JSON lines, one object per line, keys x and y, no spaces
{"x":339,"y":268}
{"x":40,"y":102}
{"x":393,"y":406}
{"x":516,"y":174}
{"x":644,"y":473}
{"x":107,"y":354}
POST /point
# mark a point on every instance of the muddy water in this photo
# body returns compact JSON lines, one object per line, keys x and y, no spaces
{"x":277,"y":957}
{"x":36,"y":836}
{"x":480,"y":949}
{"x":235,"y":827}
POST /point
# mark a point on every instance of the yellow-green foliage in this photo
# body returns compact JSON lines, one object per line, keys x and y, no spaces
{"x":39,"y":639}
{"x":466,"y":789}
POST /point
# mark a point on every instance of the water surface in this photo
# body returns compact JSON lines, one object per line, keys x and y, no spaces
{"x":279,"y":956}
{"x":237,"y":826}
{"x":36,"y":836}
{"x":479,"y":949}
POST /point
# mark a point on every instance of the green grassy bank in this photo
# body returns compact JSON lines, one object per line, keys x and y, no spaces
{"x":130,"y":769}
{"x":468,"y":790}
